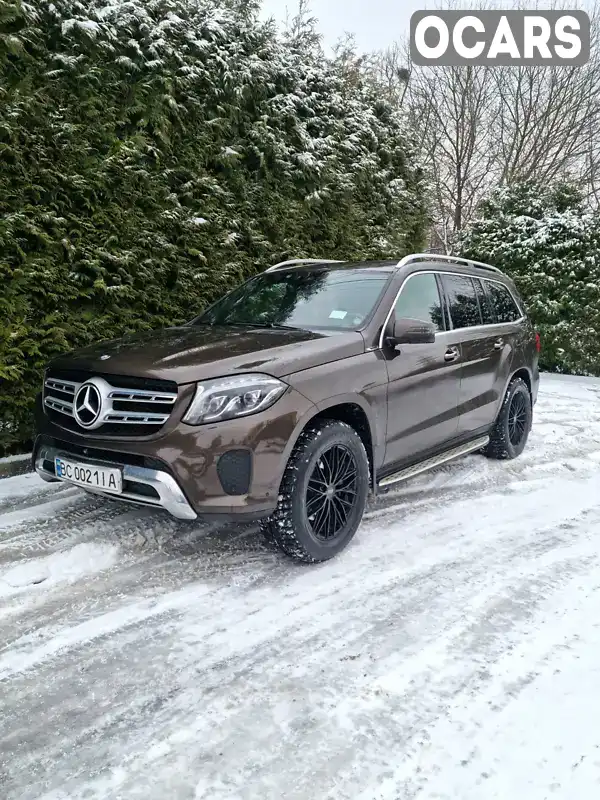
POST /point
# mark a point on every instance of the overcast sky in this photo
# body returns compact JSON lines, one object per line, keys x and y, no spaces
{"x":375,"y":23}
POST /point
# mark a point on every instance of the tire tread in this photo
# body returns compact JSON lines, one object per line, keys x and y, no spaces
{"x":279,"y":527}
{"x":497,"y":448}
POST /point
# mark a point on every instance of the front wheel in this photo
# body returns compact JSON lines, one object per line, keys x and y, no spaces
{"x":509,"y":435}
{"x":323,"y":493}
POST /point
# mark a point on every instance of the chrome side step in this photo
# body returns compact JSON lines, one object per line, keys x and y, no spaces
{"x":435,"y":461}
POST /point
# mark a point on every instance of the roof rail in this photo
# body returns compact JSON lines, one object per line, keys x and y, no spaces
{"x":297,"y":261}
{"x":452,"y":259}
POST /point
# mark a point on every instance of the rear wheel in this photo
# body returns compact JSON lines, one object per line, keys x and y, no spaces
{"x":509,"y":435}
{"x":323,"y":493}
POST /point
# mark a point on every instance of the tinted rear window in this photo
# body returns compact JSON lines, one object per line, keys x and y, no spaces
{"x":462,"y":301}
{"x":487,"y":315}
{"x":505,"y":308}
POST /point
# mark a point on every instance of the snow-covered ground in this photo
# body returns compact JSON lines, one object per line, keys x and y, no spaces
{"x":15,"y":458}
{"x":453,"y":651}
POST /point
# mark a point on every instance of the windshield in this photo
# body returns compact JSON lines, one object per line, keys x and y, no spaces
{"x":336,"y":299}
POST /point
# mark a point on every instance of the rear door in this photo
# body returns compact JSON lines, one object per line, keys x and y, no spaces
{"x":423,"y":378}
{"x":511,"y":332}
{"x":485,"y":348}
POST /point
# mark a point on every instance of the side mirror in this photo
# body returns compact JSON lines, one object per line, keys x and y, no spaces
{"x":412,"y":331}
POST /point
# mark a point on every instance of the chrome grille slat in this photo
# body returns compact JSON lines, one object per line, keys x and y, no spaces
{"x":142,"y":396}
{"x":134,"y":417}
{"x":60,"y":394}
{"x":64,"y":406}
{"x":68,"y":387}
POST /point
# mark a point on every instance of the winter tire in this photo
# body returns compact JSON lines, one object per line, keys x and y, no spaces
{"x":323,"y":493}
{"x":509,"y":435}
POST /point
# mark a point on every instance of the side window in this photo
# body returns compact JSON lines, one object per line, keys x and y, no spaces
{"x":462,"y":301}
{"x":502,"y":300}
{"x":487,"y":314}
{"x":420,"y":299}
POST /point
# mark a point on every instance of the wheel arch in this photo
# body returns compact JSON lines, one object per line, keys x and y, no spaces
{"x":525,"y":375}
{"x":351,"y":410}
{"x":522,"y":372}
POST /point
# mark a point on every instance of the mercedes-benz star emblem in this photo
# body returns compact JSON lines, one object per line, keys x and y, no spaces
{"x":87,"y":405}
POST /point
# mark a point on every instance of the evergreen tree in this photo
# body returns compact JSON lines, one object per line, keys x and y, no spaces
{"x":550,"y":245}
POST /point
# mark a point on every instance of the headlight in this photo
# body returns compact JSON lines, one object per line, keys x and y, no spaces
{"x":235,"y":396}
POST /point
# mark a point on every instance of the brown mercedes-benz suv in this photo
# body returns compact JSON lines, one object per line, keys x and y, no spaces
{"x":298,"y":393}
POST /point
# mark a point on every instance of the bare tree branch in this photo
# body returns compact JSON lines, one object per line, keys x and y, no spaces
{"x":480,"y":127}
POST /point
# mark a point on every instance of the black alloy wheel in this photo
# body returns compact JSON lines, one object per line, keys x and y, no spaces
{"x":331,"y":492}
{"x":518,"y":418}
{"x":323,"y":493}
{"x":509,"y":435}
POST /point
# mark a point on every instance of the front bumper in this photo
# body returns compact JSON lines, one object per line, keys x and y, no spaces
{"x":180,"y":468}
{"x":144,"y":486}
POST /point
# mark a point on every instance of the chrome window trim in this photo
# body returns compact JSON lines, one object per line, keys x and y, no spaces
{"x":453,"y":330}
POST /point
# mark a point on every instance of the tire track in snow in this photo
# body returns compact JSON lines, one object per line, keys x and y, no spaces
{"x":256,"y":638}
{"x":262,"y":640}
{"x":205,"y":664}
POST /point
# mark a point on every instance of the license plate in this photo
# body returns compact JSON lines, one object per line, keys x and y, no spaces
{"x":109,"y":479}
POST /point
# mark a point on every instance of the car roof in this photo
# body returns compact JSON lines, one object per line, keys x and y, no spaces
{"x":379,"y":266}
{"x":391,"y":266}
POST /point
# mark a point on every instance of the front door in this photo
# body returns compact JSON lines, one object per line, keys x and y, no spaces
{"x":423,"y":379}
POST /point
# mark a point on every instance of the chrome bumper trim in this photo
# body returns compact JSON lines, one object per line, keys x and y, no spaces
{"x":170,"y":497}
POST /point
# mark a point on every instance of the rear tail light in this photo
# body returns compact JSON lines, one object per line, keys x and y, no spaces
{"x":538,"y":342}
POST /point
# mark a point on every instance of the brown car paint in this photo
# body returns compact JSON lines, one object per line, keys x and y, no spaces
{"x":194,"y":352}
{"x":415,"y":403}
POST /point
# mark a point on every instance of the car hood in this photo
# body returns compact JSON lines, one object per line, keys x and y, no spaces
{"x":190,"y":353}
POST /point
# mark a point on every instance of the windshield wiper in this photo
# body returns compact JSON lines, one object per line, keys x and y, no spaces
{"x":270,"y":325}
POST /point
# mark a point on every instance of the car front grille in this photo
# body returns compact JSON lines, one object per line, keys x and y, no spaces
{"x":125,"y":405}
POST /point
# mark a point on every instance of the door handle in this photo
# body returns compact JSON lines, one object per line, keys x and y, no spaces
{"x":451,"y":354}
{"x":499,"y":344}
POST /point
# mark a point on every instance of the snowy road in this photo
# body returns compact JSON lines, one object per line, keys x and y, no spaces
{"x":453,"y":651}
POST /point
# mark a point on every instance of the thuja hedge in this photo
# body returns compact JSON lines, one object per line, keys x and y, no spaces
{"x":153,"y":154}
{"x":549,"y":242}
